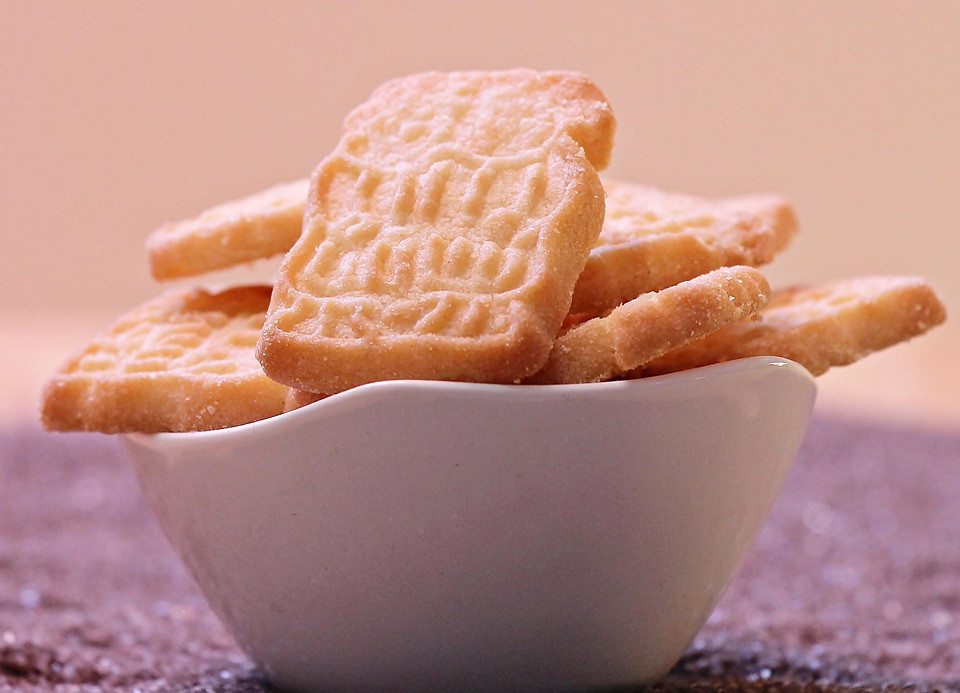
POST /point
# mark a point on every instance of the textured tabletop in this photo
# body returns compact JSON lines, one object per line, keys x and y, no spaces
{"x":854,"y":583}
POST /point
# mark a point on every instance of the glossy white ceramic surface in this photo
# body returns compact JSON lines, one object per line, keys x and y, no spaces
{"x":415,"y":535}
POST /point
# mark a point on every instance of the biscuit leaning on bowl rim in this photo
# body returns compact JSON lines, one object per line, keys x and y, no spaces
{"x":183,"y":361}
{"x":444,"y":234}
{"x":652,"y":239}
{"x":819,"y":327}
{"x":649,"y":326}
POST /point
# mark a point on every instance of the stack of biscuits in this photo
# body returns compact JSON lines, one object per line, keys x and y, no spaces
{"x":460,"y":230}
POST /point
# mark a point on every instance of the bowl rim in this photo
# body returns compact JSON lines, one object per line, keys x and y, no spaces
{"x":384,"y":387}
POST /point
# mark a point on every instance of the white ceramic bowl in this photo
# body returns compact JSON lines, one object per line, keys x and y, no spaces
{"x":443,"y":536}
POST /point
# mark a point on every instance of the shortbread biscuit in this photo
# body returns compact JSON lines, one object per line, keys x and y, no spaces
{"x":774,"y":210}
{"x":653,"y":324}
{"x":257,"y":226}
{"x":819,"y":327}
{"x":443,"y":236}
{"x":181,"y":362}
{"x":652,"y":239}
{"x":300,"y":398}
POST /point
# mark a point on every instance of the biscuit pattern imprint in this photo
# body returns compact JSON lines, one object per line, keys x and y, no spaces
{"x":652,"y":239}
{"x":456,"y":206}
{"x":819,"y":327}
{"x":183,"y":361}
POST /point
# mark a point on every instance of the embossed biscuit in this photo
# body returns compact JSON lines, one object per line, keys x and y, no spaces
{"x":652,"y":239}
{"x":181,"y":362}
{"x":653,"y":324}
{"x":820,"y":327}
{"x":258,"y":226}
{"x":443,"y":236}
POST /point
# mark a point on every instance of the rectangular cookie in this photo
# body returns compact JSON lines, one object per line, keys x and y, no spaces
{"x":444,"y":235}
{"x":181,"y":362}
{"x":652,"y":239}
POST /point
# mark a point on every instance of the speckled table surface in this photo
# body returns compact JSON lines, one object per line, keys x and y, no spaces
{"x":854,"y":583}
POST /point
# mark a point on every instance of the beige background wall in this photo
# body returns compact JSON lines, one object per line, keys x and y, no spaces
{"x":118,"y":116}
